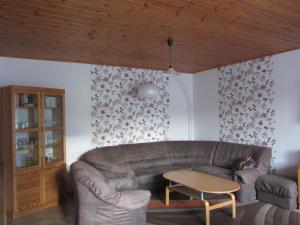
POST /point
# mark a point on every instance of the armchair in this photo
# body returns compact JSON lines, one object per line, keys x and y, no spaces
{"x":99,"y":203}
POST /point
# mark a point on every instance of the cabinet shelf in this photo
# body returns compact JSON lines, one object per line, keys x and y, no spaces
{"x":54,"y":146}
{"x":27,"y":129}
{"x":53,"y":161}
{"x":26,"y":107}
{"x":27,"y":149}
{"x":53,"y":108}
{"x":54,"y":128}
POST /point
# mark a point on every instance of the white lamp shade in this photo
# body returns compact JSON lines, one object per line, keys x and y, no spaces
{"x":148,"y":90}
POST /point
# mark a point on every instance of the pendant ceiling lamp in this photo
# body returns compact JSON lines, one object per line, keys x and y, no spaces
{"x":148,"y":91}
{"x":171,"y":70}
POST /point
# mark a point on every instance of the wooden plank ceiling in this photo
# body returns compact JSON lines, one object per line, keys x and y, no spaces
{"x":133,"y":33}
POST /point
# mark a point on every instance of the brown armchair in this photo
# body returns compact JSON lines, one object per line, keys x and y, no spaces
{"x":97,"y":202}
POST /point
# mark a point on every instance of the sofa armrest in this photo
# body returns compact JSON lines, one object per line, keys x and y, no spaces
{"x":133,"y":199}
{"x":93,"y":180}
{"x":247,"y":176}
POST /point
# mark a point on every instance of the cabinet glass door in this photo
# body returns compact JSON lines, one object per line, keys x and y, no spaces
{"x":27,"y":149}
{"x":53,"y":111}
{"x":54,"y":131}
{"x":54,"y":146}
{"x":26,"y":110}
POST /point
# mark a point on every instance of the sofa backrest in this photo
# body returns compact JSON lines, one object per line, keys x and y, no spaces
{"x":122,"y":158}
{"x":182,"y":152}
{"x":109,"y":160}
{"x":145,"y":155}
{"x":228,"y":154}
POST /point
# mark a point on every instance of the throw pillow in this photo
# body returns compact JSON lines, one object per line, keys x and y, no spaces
{"x":245,"y":163}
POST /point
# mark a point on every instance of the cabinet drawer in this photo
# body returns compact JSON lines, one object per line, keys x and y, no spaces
{"x":28,"y":190}
{"x":54,"y":184}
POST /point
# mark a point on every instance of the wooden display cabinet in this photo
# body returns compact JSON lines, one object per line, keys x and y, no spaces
{"x":32,"y":156}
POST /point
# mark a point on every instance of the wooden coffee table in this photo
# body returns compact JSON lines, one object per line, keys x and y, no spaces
{"x":194,"y":184}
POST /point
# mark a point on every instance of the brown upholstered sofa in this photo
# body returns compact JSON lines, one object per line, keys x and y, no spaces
{"x":127,"y":168}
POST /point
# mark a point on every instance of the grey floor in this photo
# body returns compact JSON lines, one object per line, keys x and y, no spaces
{"x":64,"y":215}
{"x":61,"y":215}
{"x":50,"y":216}
{"x":248,"y":214}
{"x":56,"y":215}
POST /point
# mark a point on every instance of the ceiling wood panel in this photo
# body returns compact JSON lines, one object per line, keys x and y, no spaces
{"x":133,"y":33}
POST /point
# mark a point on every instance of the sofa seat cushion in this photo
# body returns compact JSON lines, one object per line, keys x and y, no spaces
{"x":122,"y":184}
{"x":215,"y":170}
{"x":150,"y":177}
{"x":155,"y":170}
{"x":277,"y":185}
{"x":149,"y":181}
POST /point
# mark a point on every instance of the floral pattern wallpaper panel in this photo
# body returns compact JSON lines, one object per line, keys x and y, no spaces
{"x":246,"y":95}
{"x":118,"y":115}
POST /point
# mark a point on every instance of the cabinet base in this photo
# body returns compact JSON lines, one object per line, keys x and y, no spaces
{"x":34,"y":209}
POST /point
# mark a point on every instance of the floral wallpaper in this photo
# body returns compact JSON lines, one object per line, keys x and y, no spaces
{"x":246,"y":95}
{"x":118,"y":115}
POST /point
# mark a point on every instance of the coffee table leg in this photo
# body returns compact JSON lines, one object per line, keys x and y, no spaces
{"x":233,"y":205}
{"x":201,"y":196}
{"x":167,"y":196}
{"x":207,"y":212}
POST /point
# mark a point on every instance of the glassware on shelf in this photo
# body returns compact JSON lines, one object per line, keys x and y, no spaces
{"x":26,"y":100}
{"x":49,"y":155}
{"x":26,"y":115}
{"x":26,"y":124}
{"x":53,"y":154}
{"x":52,"y":123}
{"x":53,"y":112}
{"x":52,"y":102}
{"x":27,"y":153}
{"x":25,"y":158}
{"x":29,"y":159}
{"x":54,"y":146}
{"x":26,"y":143}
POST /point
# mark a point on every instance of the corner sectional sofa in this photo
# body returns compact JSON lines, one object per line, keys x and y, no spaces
{"x":131,"y":167}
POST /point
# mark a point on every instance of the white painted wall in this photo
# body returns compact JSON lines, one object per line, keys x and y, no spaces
{"x":75,"y":79}
{"x":181,"y":107}
{"x":206,"y":123}
{"x":286,"y":76}
{"x":287,"y":115}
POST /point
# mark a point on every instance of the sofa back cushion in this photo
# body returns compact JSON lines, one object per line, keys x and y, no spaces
{"x":228,"y":154}
{"x":109,"y":160}
{"x":191,"y":152}
{"x":104,"y":155}
{"x":145,"y":155}
{"x":118,"y":161}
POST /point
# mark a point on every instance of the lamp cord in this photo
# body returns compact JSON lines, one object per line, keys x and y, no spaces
{"x":170,"y":55}
{"x":170,"y":43}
